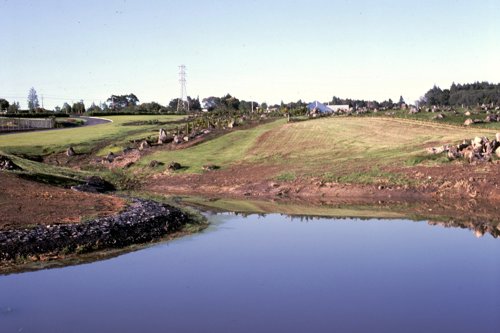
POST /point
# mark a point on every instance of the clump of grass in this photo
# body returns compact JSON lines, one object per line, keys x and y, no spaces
{"x":420,"y":159}
{"x":122,"y":179}
{"x":286,"y":177}
{"x":329,"y":177}
{"x":113,"y":148}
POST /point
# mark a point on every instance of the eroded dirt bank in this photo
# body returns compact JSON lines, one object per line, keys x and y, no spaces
{"x":24,"y":202}
{"x":447,"y":183}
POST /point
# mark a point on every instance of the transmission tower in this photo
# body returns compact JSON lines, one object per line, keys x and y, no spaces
{"x":182,"y":102}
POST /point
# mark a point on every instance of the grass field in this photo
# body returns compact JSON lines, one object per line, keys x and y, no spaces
{"x":83,"y":139}
{"x":339,"y":148}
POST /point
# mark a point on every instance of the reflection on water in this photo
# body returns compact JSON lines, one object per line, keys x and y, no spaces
{"x":479,"y":217}
{"x":478,"y":229}
{"x":273,"y":274}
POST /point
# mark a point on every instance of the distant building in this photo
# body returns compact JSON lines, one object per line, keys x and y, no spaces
{"x":337,"y":108}
{"x":317,"y":107}
{"x":320,"y":108}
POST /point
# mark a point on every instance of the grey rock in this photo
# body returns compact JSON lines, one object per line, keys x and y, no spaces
{"x":70,"y":152}
{"x":162,"y":136}
{"x":7,"y":164}
{"x":144,"y":145}
{"x":174,"y":166}
{"x":110,"y":157}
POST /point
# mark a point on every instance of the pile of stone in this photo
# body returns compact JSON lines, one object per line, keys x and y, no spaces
{"x":477,"y":149}
{"x":7,"y":164}
{"x":181,"y":137}
{"x":490,"y":118}
{"x":143,"y":221}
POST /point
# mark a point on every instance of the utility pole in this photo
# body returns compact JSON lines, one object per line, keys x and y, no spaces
{"x":182,"y":102}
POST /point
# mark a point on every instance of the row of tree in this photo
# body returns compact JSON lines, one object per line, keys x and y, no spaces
{"x":470,"y":94}
{"x":360,"y":103}
{"x":130,"y":104}
{"x":33,"y":103}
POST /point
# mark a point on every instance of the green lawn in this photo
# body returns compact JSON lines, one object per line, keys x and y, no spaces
{"x":83,"y":139}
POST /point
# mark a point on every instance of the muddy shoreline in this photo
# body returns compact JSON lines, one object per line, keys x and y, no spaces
{"x":470,"y":203}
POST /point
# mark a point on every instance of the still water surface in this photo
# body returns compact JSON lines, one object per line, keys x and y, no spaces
{"x":273,"y":274}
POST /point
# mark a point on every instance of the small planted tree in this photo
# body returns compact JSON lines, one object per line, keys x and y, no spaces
{"x":94,"y":108}
{"x":33,"y":100}
{"x":13,"y":108}
{"x":4,"y":104}
{"x":78,"y":107}
{"x":66,"y":108}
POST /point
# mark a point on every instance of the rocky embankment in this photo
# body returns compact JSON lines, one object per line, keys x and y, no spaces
{"x":473,"y":150}
{"x":143,"y":221}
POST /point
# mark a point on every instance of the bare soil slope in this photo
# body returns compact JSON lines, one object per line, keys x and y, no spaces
{"x":24,"y":203}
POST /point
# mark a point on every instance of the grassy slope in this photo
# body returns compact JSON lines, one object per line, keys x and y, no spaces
{"x":346,"y":149}
{"x":355,"y":149}
{"x":115,"y":136}
{"x":342,"y":148}
{"x":82,"y":138}
{"x":221,"y":151}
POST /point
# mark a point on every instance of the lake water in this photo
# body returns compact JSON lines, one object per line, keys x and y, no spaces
{"x":273,"y":274}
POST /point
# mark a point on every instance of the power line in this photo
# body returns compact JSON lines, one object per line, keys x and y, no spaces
{"x":182,"y":102}
{"x":49,"y":97}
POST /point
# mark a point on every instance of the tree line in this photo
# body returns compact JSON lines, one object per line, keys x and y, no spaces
{"x":371,"y":104}
{"x":467,"y":95}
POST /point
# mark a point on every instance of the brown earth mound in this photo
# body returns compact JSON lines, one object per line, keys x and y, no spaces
{"x":24,"y":203}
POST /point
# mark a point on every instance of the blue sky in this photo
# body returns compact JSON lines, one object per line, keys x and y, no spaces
{"x":262,"y":50}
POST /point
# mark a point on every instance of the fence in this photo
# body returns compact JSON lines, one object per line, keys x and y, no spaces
{"x":23,"y":124}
